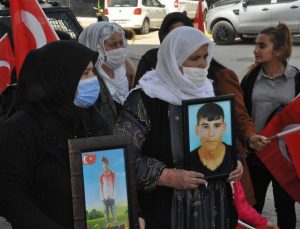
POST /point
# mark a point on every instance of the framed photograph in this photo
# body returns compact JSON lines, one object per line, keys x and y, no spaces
{"x":209,"y":140}
{"x":103,"y":184}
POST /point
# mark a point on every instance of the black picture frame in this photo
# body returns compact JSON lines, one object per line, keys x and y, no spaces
{"x":84,"y":155}
{"x":193,"y":131}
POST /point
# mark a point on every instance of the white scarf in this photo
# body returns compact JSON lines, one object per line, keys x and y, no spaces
{"x":167,"y":82}
{"x":119,"y":86}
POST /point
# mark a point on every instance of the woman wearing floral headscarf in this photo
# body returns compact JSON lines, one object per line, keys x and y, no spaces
{"x":153,"y":116}
{"x":113,"y":66}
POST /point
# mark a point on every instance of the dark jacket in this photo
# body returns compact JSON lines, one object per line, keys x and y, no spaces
{"x":34,"y":173}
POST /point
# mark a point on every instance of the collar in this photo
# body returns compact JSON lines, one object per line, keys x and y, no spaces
{"x":289,"y":72}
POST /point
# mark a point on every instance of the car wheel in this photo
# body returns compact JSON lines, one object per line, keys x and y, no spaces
{"x":223,"y":33}
{"x":145,"y":27}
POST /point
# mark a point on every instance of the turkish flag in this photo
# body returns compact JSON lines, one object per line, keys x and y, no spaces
{"x":293,"y":149}
{"x":89,"y":159}
{"x":31,"y":29}
{"x":199,"y":19}
{"x":264,"y":227}
{"x":277,"y":157}
{"x":7,"y":62}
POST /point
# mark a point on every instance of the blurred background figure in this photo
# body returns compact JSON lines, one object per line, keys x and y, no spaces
{"x":113,"y":66}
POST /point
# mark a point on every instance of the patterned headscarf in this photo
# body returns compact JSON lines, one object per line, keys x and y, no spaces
{"x":94,"y":36}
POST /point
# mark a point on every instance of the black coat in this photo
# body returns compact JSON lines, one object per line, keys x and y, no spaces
{"x":34,"y":173}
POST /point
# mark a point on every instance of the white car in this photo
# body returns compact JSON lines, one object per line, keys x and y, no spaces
{"x":142,"y":15}
{"x":228,"y":19}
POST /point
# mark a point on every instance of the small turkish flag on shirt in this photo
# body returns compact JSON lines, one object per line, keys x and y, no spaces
{"x":31,"y":29}
{"x":89,"y":159}
{"x":7,"y":62}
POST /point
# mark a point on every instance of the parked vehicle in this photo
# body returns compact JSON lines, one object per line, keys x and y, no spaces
{"x":141,"y":15}
{"x":60,"y":17}
{"x":188,"y":7}
{"x":229,"y":19}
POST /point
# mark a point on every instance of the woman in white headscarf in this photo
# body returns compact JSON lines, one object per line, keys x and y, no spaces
{"x":153,"y":116}
{"x":113,"y":66}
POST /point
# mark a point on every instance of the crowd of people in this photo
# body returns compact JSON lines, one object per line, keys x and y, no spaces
{"x":90,"y":87}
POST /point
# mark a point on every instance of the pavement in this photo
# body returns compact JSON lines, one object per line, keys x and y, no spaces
{"x":269,"y":209}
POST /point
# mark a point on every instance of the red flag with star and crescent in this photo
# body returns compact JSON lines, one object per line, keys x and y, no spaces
{"x":89,"y":159}
{"x":282,"y":156}
{"x":31,"y":29}
{"x":7,"y":62}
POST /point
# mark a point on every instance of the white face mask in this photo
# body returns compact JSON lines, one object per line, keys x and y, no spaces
{"x":115,"y":58}
{"x":197,"y":75}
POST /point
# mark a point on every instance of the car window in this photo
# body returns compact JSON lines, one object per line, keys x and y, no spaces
{"x":147,"y":3}
{"x":156,"y":3}
{"x":258,"y":2}
{"x":116,"y":3}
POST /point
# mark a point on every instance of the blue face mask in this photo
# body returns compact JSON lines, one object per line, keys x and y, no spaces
{"x":87,"y":92}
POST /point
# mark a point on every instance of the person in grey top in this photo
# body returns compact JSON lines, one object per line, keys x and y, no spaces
{"x":270,"y":84}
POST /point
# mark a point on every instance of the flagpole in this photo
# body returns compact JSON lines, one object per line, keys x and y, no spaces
{"x":284,"y":133}
{"x":245,"y":225}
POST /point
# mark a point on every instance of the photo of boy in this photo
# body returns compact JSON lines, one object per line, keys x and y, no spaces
{"x":107,"y":188}
{"x":213,"y":157}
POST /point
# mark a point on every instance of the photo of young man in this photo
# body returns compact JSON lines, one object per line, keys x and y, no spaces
{"x":107,"y":188}
{"x":213,"y":156}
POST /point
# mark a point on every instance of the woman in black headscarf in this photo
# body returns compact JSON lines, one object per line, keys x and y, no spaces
{"x":57,"y":99}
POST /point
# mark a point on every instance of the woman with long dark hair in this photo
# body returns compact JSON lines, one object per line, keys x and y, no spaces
{"x":270,"y":84}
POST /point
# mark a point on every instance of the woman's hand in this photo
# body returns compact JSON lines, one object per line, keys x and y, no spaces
{"x":258,"y":142}
{"x":271,"y":225}
{"x":237,"y":173}
{"x":141,"y":223}
{"x":181,"y":179}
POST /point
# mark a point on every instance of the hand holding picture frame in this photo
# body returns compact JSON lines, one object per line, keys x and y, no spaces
{"x":103,"y":184}
{"x":210,"y":146}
